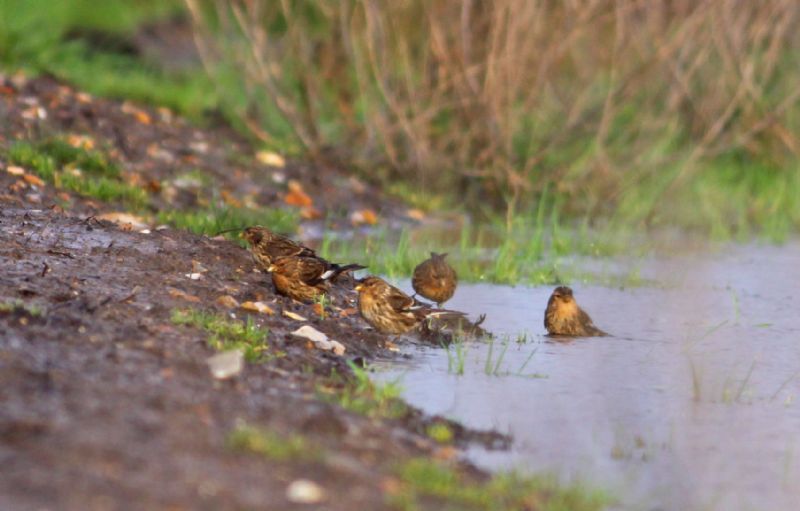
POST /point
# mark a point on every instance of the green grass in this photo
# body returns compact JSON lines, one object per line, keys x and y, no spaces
{"x":271,"y":445}
{"x":227,"y":334}
{"x":210,"y":221}
{"x":87,"y":172}
{"x":12,"y":305}
{"x":456,"y":356}
{"x":440,"y":433}
{"x":426,"y":483}
{"x":38,"y":36}
{"x":733,"y":195}
{"x":363,"y":396}
{"x":533,"y":253}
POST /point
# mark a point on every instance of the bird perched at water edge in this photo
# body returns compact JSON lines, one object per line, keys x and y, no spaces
{"x":305,"y":278}
{"x":389,"y":310}
{"x":564,"y":317}
{"x":435,"y":279}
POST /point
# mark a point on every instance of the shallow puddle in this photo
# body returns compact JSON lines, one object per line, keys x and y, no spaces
{"x":690,"y":405}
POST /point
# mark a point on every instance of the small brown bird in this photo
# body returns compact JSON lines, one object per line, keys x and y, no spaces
{"x":305,"y":278}
{"x":386,"y":308}
{"x":391,"y":311}
{"x":267,"y":246}
{"x":564,"y":317}
{"x":435,"y":279}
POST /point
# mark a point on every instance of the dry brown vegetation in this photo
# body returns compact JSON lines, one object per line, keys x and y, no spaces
{"x":500,"y":99}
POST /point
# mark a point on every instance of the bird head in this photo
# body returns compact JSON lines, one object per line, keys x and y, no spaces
{"x":368,"y":282}
{"x":253,"y":235}
{"x":563,"y":294}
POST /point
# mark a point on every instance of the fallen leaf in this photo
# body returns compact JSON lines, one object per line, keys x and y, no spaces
{"x":319,"y":310}
{"x":15,"y":171}
{"x":348,"y":312}
{"x":270,"y":158}
{"x":310,"y":213}
{"x":197,"y":267}
{"x":338,"y":348}
{"x":33,"y":180}
{"x":415,"y":214}
{"x":81,"y":141}
{"x":392,"y":486}
{"x":297,"y":196}
{"x":153,"y":186}
{"x":229,"y":199}
{"x":364,"y":216}
{"x":445,"y":453}
{"x":142,"y":117}
{"x":177,"y":293}
{"x":292,"y":315}
{"x":310,"y":333}
{"x":227,"y":301}
{"x":259,"y":307}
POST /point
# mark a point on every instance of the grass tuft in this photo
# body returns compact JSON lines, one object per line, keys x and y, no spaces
{"x":424,"y":481}
{"x":212,"y":220}
{"x":87,"y":172}
{"x":440,"y":433}
{"x":363,"y":396}
{"x":270,"y":444}
{"x":227,"y":334}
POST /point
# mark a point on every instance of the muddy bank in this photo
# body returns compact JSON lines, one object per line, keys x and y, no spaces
{"x":107,"y":404}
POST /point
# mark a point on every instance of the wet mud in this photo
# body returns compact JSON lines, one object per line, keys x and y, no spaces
{"x":106,"y":404}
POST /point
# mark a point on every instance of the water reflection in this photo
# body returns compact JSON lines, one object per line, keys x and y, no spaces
{"x":689,"y":405}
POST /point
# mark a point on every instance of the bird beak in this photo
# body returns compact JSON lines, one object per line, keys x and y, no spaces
{"x":271,"y":268}
{"x":359,"y":287}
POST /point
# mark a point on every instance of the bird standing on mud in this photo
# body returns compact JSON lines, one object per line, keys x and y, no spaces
{"x":267,"y":246}
{"x":435,"y":279}
{"x":564,"y":317}
{"x":305,"y":278}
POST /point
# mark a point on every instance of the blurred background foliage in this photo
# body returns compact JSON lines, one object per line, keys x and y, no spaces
{"x":640,"y":113}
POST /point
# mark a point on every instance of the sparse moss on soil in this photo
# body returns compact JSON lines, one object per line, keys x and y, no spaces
{"x":425,"y":482}
{"x":361,"y":395}
{"x":227,"y":334}
{"x":272,"y":445}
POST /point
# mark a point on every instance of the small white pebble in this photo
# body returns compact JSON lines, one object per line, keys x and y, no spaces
{"x":303,"y":491}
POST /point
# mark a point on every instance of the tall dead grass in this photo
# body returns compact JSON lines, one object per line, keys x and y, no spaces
{"x":498,"y":99}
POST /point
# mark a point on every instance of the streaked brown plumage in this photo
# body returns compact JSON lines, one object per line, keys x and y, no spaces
{"x":391,"y":311}
{"x":305,"y":278}
{"x":564,"y":317}
{"x":386,"y":308}
{"x":435,"y":279}
{"x":267,"y":246}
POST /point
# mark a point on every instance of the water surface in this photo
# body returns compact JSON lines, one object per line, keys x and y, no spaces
{"x":690,"y":405}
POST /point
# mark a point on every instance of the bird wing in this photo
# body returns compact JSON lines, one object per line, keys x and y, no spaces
{"x":587,"y":322}
{"x":312,"y":270}
{"x":399,"y":301}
